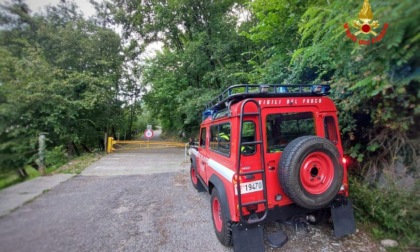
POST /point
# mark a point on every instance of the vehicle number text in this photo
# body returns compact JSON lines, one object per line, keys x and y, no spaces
{"x":250,"y":187}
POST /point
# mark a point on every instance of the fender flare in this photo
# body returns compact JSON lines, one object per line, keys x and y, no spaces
{"x":200,"y":186}
{"x":218,"y":184}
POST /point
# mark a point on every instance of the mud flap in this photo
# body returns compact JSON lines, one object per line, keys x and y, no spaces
{"x":343,"y":219}
{"x":249,"y":239}
{"x":200,"y":185}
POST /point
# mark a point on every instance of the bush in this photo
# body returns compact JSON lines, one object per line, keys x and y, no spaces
{"x":55,"y":158}
{"x":394,"y":214}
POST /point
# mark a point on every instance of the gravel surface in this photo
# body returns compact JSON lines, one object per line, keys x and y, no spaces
{"x":143,"y":210}
{"x":160,"y":212}
{"x":119,"y":213}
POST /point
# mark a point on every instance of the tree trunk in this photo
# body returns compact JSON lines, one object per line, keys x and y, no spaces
{"x":130,"y":123}
{"x":86,"y":148}
{"x":76,"y":150}
{"x":70,"y":149}
{"x":113,"y":132}
{"x":22,"y":173}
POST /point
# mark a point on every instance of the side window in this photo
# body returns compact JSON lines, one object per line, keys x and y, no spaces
{"x":203,"y":138}
{"x":283,"y":128}
{"x":220,"y":138}
{"x":248,"y":135}
{"x":330,"y":129}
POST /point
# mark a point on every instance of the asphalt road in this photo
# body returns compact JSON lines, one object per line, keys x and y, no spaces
{"x":127,"y":202}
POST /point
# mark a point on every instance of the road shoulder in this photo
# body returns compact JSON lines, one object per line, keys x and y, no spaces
{"x":17,"y":195}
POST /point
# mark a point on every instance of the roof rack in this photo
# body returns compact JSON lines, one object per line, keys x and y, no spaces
{"x":239,"y":92}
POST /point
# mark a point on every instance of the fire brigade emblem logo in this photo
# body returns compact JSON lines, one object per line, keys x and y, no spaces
{"x":366,"y":25}
{"x":366,"y":16}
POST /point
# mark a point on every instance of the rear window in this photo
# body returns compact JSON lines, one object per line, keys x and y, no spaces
{"x":330,"y":129}
{"x":248,"y":135}
{"x":283,"y":128}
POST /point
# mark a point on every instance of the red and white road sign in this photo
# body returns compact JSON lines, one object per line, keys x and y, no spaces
{"x":148,"y":133}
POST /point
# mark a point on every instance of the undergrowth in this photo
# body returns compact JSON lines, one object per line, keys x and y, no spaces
{"x":11,"y":178}
{"x":389,"y":214}
{"x":77,"y":165}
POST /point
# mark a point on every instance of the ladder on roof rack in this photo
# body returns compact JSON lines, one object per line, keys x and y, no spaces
{"x":253,"y":218}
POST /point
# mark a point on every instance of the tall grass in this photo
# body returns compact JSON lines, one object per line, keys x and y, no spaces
{"x":56,"y":164}
{"x":11,"y":178}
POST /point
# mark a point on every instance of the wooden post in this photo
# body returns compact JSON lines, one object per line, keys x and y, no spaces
{"x":106,"y":141}
{"x":41,"y":154}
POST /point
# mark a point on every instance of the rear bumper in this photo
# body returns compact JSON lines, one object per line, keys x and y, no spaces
{"x":342,"y":214}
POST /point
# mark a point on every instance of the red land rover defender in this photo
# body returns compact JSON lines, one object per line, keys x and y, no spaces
{"x":271,"y":153}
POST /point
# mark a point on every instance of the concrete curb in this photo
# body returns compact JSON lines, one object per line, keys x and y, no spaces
{"x":17,"y":195}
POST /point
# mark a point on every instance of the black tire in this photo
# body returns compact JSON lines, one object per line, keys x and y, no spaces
{"x":222,"y":226}
{"x":195,"y":181}
{"x":310,"y":171}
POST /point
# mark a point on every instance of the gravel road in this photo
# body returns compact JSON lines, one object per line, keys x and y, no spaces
{"x":146,"y":211}
{"x":119,"y":213}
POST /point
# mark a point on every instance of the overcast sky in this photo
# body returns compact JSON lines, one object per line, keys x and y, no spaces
{"x":37,"y":5}
{"x":88,"y":10}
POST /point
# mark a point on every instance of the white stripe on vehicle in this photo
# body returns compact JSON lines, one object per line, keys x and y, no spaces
{"x":221,"y":169}
{"x":194,"y":151}
{"x":217,"y":167}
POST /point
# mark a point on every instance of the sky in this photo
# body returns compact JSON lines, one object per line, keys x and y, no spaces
{"x":88,"y":10}
{"x":37,"y":5}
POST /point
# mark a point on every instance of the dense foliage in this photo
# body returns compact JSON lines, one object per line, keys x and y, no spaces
{"x":59,"y":74}
{"x":202,"y":53}
{"x":394,"y":214}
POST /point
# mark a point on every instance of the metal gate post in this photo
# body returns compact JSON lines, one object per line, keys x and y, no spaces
{"x":109,"y":145}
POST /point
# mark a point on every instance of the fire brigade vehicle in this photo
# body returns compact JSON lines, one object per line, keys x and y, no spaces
{"x":271,"y":153}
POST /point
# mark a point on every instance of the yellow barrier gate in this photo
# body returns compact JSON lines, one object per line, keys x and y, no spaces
{"x":127,"y":145}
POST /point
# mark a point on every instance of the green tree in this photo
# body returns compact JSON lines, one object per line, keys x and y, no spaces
{"x":202,"y":53}
{"x":60,"y":76}
{"x":378,"y":82}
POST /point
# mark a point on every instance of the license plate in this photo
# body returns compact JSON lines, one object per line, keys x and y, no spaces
{"x":250,"y":187}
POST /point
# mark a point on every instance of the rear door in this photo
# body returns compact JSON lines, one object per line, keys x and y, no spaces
{"x":281,"y":129}
{"x":252,"y":186}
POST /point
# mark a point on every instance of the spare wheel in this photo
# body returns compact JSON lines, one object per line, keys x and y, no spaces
{"x":310,"y":171}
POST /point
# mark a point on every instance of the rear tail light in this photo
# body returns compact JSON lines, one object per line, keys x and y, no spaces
{"x":235,"y":178}
{"x":242,"y":178}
